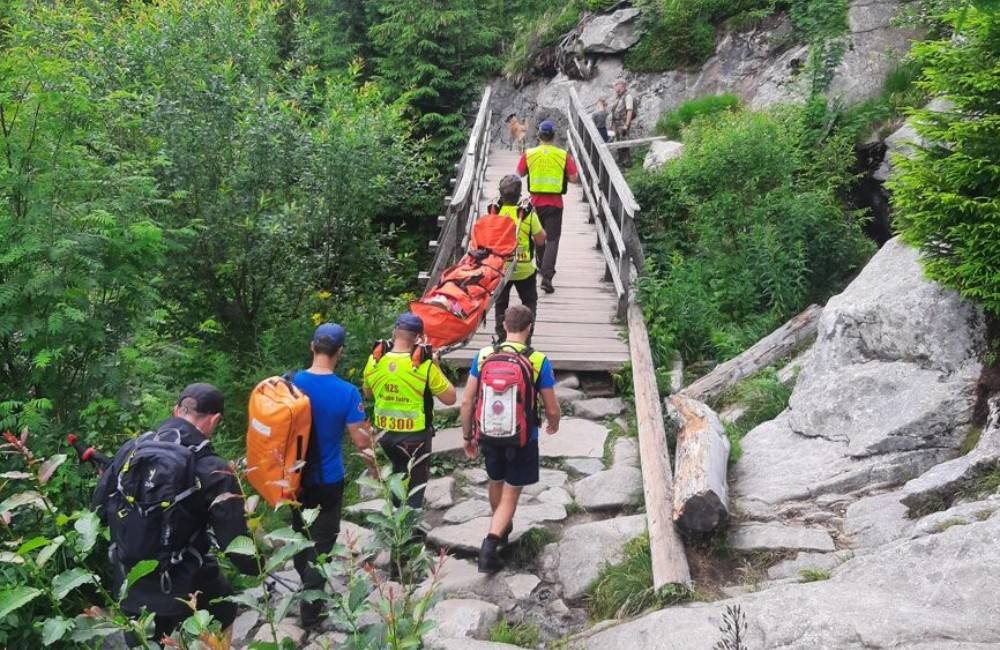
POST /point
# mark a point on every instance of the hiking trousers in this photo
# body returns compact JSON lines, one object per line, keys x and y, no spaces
{"x":527,"y":291}
{"x":551,"y":218}
{"x":329,"y":498}
{"x":400,"y":449}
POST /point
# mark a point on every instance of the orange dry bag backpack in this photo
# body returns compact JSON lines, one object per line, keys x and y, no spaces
{"x":279,"y":421}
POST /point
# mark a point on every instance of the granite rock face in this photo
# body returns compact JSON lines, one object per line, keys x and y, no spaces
{"x":611,"y":33}
{"x":886,"y":393}
{"x":937,"y":591}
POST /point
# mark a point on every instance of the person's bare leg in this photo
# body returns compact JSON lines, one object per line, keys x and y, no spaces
{"x":503,"y":513}
{"x":496,"y":489}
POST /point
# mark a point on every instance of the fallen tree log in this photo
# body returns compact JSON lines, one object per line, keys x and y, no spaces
{"x":779,"y":343}
{"x":666,"y":548}
{"x":701,"y":500}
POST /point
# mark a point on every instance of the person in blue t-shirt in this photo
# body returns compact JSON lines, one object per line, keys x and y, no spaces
{"x":336,"y":407}
{"x":509,"y":468}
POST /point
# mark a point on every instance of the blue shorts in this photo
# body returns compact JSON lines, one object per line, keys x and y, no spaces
{"x":516,"y":466}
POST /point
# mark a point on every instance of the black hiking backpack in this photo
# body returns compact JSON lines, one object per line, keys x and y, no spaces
{"x":148,"y":509}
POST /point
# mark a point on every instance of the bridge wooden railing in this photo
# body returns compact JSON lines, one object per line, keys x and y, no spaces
{"x":613,"y":209}
{"x":463,"y":206}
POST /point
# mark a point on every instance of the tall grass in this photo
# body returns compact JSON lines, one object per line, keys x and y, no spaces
{"x":626,"y":588}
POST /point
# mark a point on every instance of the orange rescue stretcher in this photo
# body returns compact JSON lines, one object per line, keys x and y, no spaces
{"x":453,"y":308}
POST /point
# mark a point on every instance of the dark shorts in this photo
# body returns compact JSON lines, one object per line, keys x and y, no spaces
{"x":516,"y":466}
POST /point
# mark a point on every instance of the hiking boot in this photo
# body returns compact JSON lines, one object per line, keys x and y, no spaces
{"x":489,"y":558}
{"x":505,"y":538}
{"x":309,"y":614}
{"x":547,"y":286}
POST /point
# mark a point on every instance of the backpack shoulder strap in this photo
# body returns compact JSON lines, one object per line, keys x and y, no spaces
{"x":380,"y":348}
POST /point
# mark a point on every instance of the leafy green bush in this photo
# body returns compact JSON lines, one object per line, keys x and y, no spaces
{"x":763,"y":397}
{"x":680,"y":33}
{"x":946,"y":199}
{"x":626,"y":589}
{"x":671,"y":122}
{"x":744,"y":230}
{"x":532,"y":33}
{"x":179,"y":193}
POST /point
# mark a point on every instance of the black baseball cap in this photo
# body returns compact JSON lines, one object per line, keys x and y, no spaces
{"x":207,"y":398}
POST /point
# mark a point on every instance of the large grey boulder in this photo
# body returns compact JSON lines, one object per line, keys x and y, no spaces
{"x":960,"y":515}
{"x":886,"y":393}
{"x":439,"y":493}
{"x":466,"y":510}
{"x":577,"y":559}
{"x":612,"y":489}
{"x":468,"y":536}
{"x":876,"y":520}
{"x":660,"y":152}
{"x":462,"y":618}
{"x":873,"y":47}
{"x":598,"y":408}
{"x":940,"y":483}
{"x":611,"y":33}
{"x":461,"y":578}
{"x":773,"y":537}
{"x":936,"y":592}
{"x":576,"y":437}
{"x":584,"y":466}
{"x":807,"y":561}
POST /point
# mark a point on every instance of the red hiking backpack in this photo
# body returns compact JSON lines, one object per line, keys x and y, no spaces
{"x":506,"y":401}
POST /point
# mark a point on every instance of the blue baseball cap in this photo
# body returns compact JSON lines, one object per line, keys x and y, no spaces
{"x":331,"y":333}
{"x":547,"y":126}
{"x":410,"y":322}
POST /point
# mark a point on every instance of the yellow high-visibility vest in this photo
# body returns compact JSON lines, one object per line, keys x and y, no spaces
{"x":546,"y":169}
{"x":400,"y":391}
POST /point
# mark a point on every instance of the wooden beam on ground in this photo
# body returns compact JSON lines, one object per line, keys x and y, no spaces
{"x":669,"y":561}
{"x":701,"y":500}
{"x":779,"y":343}
{"x":624,"y":144}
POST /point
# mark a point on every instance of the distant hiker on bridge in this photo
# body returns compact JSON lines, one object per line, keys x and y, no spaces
{"x":600,"y":117}
{"x":529,"y":235}
{"x":500,"y":417}
{"x":336,"y":407}
{"x":622,"y":115}
{"x":549,"y":169}
{"x":404,"y":377}
{"x":175,"y":464}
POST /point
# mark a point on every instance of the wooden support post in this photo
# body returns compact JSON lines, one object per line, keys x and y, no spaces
{"x":701,"y":501}
{"x":670,"y":564}
{"x":433,"y":245}
{"x":779,"y":343}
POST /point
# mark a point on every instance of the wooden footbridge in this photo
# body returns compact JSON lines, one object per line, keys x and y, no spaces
{"x":583,"y":325}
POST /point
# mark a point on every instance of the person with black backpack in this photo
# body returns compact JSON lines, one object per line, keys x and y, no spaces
{"x":167,"y":496}
{"x":500,"y":418}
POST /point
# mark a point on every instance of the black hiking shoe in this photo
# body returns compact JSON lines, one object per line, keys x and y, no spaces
{"x":489,"y":559}
{"x":547,"y":286}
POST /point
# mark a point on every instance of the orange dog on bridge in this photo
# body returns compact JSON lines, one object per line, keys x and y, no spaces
{"x":516,"y":130}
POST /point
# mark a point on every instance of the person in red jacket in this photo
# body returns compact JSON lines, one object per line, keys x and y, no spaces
{"x":548,"y":169}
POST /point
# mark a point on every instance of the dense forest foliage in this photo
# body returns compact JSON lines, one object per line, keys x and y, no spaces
{"x":188,"y":186}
